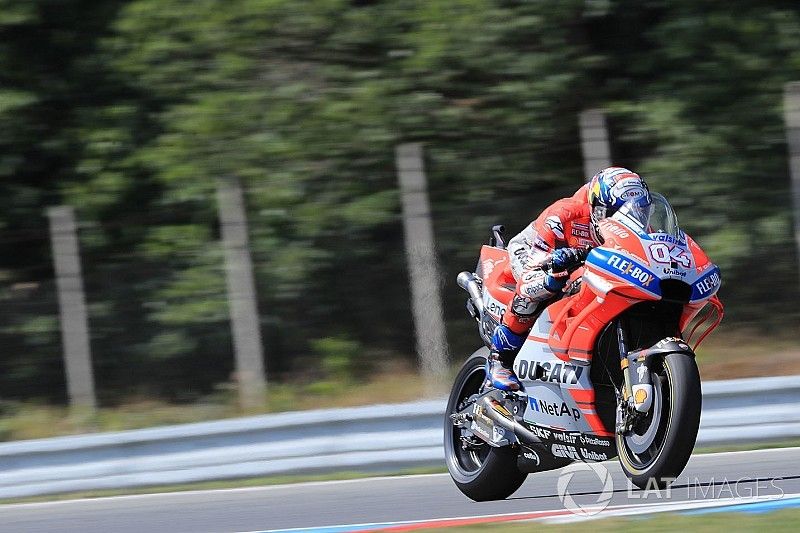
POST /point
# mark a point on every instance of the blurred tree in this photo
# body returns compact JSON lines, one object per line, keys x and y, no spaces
{"x":129,"y":110}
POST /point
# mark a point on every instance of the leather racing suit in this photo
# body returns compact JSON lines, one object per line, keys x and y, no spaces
{"x":554,"y":236}
{"x":566,"y":223}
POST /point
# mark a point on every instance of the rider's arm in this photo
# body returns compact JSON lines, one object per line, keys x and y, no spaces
{"x":542,"y":242}
{"x":530,"y":248}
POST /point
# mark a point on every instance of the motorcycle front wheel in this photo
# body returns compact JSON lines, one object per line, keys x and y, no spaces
{"x":658,"y":448}
{"x":480,"y":471}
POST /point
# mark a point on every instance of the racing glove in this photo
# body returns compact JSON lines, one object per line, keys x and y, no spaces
{"x":562,"y":261}
{"x":565,"y":259}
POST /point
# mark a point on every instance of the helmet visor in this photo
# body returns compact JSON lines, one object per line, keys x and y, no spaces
{"x":637,"y":210}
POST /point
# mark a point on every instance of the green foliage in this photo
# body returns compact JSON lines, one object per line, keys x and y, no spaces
{"x":338,"y":356}
{"x":132,"y":114}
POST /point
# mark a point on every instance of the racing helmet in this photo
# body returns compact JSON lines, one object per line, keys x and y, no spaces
{"x":609,"y":189}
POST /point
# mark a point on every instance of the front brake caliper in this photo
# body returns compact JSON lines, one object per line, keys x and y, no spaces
{"x":627,"y":415}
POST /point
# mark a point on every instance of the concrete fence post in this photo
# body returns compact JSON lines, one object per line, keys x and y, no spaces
{"x":242,"y":300}
{"x":426,"y":298}
{"x":791,"y":110}
{"x":594,"y":142}
{"x":72,"y":308}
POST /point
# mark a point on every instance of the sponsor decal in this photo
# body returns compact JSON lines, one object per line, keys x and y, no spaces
{"x":593,"y":456}
{"x":494,"y":307}
{"x":664,"y":237}
{"x":477,"y":427}
{"x":641,"y":371}
{"x":707,"y":285}
{"x":630,"y":270}
{"x":535,"y":289}
{"x":674,"y":272}
{"x":562,"y":450}
{"x":633,"y":193}
{"x":664,"y":342}
{"x":550,"y":372}
{"x":522,"y":253}
{"x":627,"y":189}
{"x":554,"y":408}
{"x":569,"y":438}
{"x":555,"y":225}
{"x":680,"y":342}
{"x":581,"y":231}
{"x":539,"y":243}
{"x":615,"y":229}
{"x":480,"y":420}
{"x":531,"y":455}
{"x":489,"y":265}
{"x":594,"y":441}
{"x":540,"y":432}
{"x":521,"y":256}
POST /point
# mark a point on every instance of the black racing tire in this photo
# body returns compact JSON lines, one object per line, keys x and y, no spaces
{"x":679,"y":421}
{"x":490,"y":473}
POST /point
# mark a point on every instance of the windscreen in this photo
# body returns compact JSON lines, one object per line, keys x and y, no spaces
{"x":663,"y":218}
{"x":655,"y":216}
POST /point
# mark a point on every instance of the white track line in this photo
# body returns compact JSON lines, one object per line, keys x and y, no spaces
{"x":306,"y":484}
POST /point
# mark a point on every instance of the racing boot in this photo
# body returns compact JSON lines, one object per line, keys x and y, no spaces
{"x":505,"y":346}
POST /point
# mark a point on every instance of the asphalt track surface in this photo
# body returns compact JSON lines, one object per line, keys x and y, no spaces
{"x":709,"y":476}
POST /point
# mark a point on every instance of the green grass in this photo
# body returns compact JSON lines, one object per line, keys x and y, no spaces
{"x":776,"y":522}
{"x":788,"y":443}
{"x":24,"y":420}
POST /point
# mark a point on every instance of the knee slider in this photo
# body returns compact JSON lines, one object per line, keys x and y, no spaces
{"x":523,"y":307}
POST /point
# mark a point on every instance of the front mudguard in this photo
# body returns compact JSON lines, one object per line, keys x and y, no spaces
{"x":640,"y":362}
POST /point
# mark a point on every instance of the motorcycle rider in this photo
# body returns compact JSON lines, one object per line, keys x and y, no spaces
{"x":560,"y":235}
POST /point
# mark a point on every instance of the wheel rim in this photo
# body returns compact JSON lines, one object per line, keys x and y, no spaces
{"x":470,"y":459}
{"x":639,"y":442}
{"x":646,"y":442}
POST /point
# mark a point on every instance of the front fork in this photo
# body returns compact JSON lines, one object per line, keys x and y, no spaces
{"x":637,"y":386}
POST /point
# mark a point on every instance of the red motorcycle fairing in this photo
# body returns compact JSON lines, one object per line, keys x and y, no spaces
{"x":494,"y":268}
{"x":618,"y":275}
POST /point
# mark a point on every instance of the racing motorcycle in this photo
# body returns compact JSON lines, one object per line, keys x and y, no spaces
{"x":606,"y":370}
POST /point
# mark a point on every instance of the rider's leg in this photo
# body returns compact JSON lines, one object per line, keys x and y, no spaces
{"x":533,"y":289}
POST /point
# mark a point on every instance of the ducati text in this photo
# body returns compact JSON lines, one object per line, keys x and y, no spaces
{"x":547,"y":371}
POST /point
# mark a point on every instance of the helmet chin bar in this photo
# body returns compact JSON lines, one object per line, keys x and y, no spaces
{"x":594,"y":230}
{"x":598,"y":213}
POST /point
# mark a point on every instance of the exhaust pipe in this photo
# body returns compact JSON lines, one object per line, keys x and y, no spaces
{"x":468,"y":282}
{"x":523,"y":434}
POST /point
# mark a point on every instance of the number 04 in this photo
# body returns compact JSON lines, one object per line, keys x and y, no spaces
{"x":664,"y":254}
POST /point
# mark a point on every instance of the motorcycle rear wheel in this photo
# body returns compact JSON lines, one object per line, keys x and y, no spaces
{"x":674,"y":420}
{"x":481,"y":472}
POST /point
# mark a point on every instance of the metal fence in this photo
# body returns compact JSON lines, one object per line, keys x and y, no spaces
{"x":373,"y":438}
